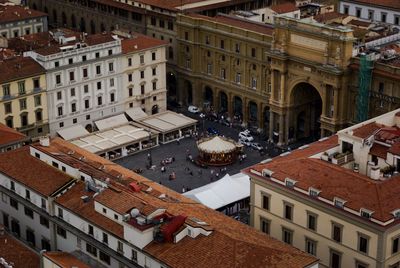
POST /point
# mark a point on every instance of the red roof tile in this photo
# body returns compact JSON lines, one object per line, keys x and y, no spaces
{"x":72,"y":201}
{"x":20,"y":255}
{"x":27,"y":170}
{"x":379,"y":150}
{"x":238,"y":23}
{"x":140,"y":42}
{"x":383,"y":3}
{"x":10,"y":135}
{"x":18,"y":68}
{"x":227,"y":241}
{"x":357,"y":190}
{"x":325,"y":17}
{"x":64,"y":259}
{"x":367,"y":130}
{"x":284,"y":8}
{"x":10,"y":13}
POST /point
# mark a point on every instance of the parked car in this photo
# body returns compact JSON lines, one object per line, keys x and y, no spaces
{"x":256,"y":146}
{"x":212,"y":131}
{"x":245,"y":136}
{"x":193,"y":109}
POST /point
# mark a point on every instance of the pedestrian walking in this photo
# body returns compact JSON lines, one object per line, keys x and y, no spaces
{"x":217,"y":175}
{"x":183,"y":189}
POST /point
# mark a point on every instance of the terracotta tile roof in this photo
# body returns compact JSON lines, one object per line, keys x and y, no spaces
{"x":19,"y":68}
{"x":383,"y":3}
{"x":29,"y":42}
{"x":34,"y":173}
{"x":329,"y":16}
{"x":395,"y":148}
{"x":239,"y":23}
{"x":284,"y":8}
{"x":227,"y":241}
{"x":20,"y":255}
{"x":357,"y":190}
{"x":10,"y":135}
{"x":123,"y":201}
{"x":64,"y":259}
{"x":72,"y":201}
{"x":10,"y":13}
{"x":360,"y":23}
{"x":90,"y":40}
{"x":367,"y":130}
{"x":379,"y":150}
{"x":140,"y":42}
{"x":176,"y":4}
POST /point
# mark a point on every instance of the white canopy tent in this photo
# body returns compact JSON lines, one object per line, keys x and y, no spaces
{"x":227,"y":190}
{"x":135,"y":113}
{"x":73,"y":132}
{"x":111,"y":122}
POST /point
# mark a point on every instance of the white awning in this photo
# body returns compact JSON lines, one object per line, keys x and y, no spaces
{"x":135,"y":113}
{"x":111,"y":122}
{"x":72,"y":132}
{"x":225,"y":191}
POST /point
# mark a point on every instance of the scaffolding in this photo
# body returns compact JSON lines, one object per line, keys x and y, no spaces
{"x":364,"y":86}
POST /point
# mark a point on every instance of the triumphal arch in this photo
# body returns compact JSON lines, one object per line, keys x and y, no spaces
{"x":309,"y":78}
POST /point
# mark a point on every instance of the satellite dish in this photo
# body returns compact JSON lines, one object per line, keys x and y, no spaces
{"x":134,"y":212}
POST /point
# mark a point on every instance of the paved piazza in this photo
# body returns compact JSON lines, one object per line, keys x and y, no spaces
{"x":183,"y":168}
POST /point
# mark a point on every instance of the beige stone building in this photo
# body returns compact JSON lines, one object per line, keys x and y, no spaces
{"x":336,"y":198}
{"x":291,"y":81}
{"x":23,"y":101}
{"x":223,"y":64}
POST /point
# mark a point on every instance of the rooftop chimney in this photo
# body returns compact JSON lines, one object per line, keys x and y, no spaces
{"x":44,"y":141}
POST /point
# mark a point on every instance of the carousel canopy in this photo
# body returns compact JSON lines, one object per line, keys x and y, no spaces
{"x":216,"y":145}
{"x":225,"y":191}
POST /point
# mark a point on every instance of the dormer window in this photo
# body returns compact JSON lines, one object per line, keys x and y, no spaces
{"x":396,"y":214}
{"x":313,"y":192}
{"x":289,"y":183}
{"x":365,"y":213}
{"x":339,"y":202}
{"x":267,"y":173}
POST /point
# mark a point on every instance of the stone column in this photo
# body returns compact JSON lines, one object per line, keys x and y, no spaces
{"x":230,"y":105}
{"x":260,"y":115}
{"x":216,"y":100}
{"x":281,"y":129}
{"x":271,"y":125}
{"x":272,"y":84}
{"x":287,"y":116}
{"x":283,"y":95}
{"x":335,"y":103}
{"x":245,"y":110}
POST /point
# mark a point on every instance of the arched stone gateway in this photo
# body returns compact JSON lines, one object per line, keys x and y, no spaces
{"x":223,"y":102}
{"x":253,"y":114}
{"x":171,"y":86}
{"x":82,"y":25}
{"x":208,"y":96}
{"x":237,"y":106}
{"x":154,"y":109}
{"x":305,"y":112}
{"x":89,"y":127}
{"x":189,"y":92}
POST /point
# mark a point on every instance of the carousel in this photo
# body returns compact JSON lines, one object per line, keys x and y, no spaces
{"x":217,"y":151}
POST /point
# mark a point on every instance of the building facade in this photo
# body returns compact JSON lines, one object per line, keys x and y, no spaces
{"x":143,"y":68}
{"x":225,"y":66}
{"x":334,"y":200}
{"x":18,"y":20}
{"x":23,"y":98}
{"x":112,"y":216}
{"x":381,"y":11}
{"x":82,"y":75}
